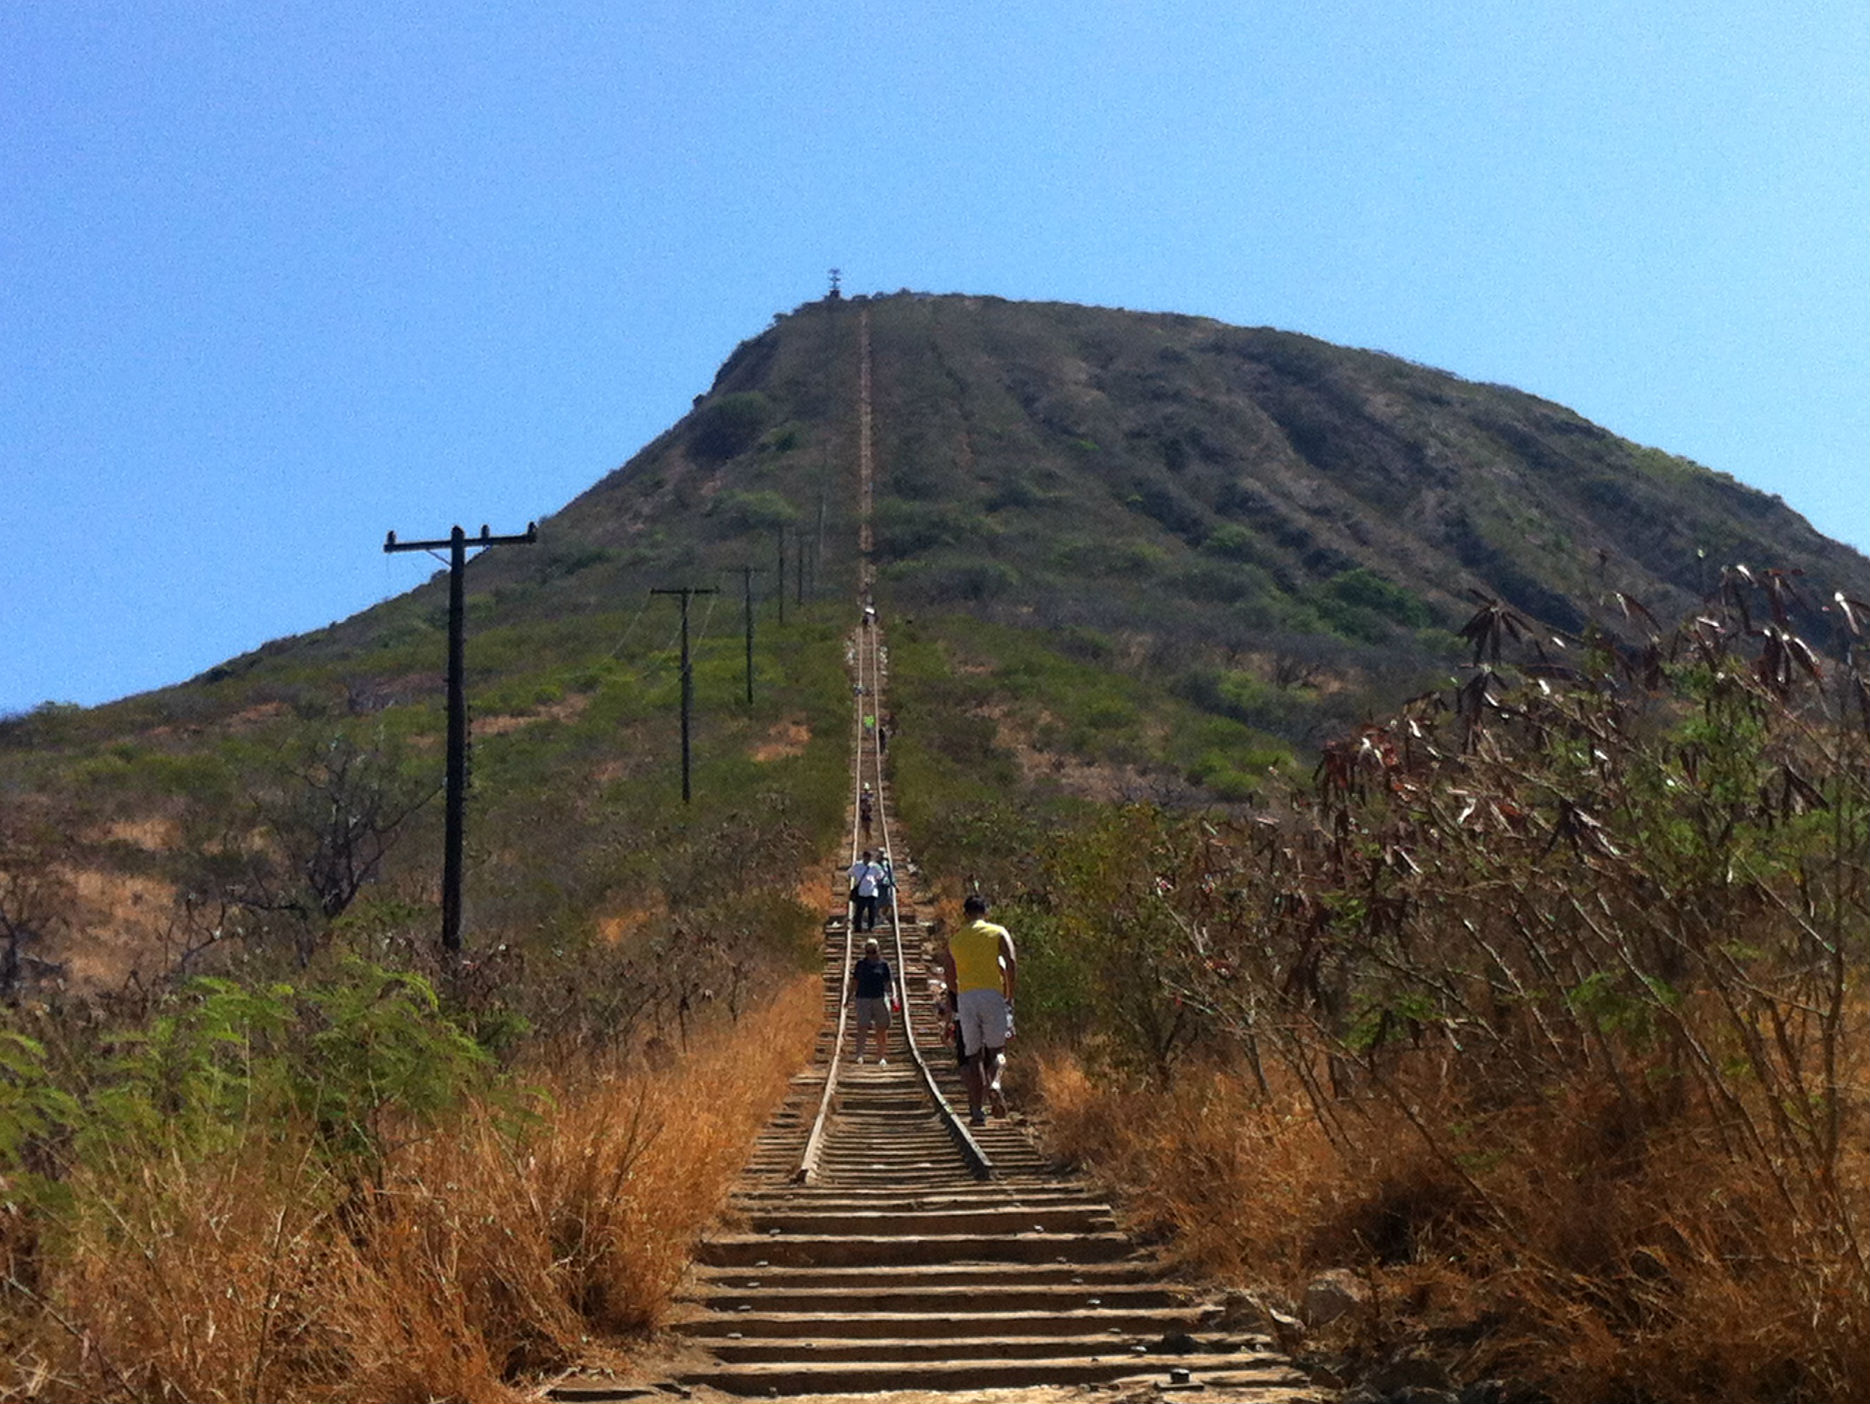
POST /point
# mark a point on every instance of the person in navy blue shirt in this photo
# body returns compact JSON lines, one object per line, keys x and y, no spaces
{"x":872,"y":984}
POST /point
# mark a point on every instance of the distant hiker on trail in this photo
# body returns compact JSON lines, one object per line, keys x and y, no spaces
{"x":866,"y":806}
{"x":873,"y":984}
{"x":981,"y":968}
{"x":886,"y":885}
{"x":864,"y":877}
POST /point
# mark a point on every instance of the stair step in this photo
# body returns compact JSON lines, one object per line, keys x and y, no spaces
{"x":1129,"y":1321}
{"x":865,"y":1294}
{"x":803,"y":1250}
{"x":1135,"y":1270}
{"x":829,"y":1349}
{"x":864,"y":1377}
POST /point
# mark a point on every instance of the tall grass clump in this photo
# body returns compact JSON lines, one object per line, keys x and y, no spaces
{"x":1543,"y":1006}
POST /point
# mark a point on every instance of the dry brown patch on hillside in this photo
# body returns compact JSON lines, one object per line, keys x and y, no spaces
{"x":565,"y":709}
{"x":614,"y":928}
{"x":151,"y":833}
{"x":1074,"y":775}
{"x":117,"y":921}
{"x":786,"y":740}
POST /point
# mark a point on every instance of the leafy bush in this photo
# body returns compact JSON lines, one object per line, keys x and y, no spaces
{"x":348,"y":1053}
{"x":905,"y":529}
{"x":728,"y":425}
{"x":1366,"y":590}
{"x":753,"y":511}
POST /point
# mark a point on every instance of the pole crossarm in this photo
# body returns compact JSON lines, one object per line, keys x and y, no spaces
{"x":486,"y":538}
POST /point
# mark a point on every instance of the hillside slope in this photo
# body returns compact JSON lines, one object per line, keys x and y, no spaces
{"x":1178,"y":459}
{"x":1281,"y":532}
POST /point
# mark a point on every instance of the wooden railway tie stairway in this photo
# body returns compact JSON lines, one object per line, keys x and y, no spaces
{"x":898,"y":1268}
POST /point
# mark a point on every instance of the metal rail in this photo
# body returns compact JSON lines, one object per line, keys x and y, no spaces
{"x":814,"y":1143}
{"x":867,"y":690}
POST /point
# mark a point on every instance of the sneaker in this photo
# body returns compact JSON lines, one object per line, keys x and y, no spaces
{"x":998,"y":1098}
{"x":883,"y":1062}
{"x":978,"y":1117}
{"x":860,"y":1060}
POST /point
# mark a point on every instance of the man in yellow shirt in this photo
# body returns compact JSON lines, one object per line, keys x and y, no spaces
{"x":984,"y":974}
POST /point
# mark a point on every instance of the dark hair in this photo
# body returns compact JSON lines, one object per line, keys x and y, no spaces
{"x":976,"y":905}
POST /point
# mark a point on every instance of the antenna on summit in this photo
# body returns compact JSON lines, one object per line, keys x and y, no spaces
{"x":834,"y":294}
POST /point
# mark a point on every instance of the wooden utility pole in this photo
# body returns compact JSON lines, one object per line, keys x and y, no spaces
{"x":819,"y":551}
{"x":781,"y":577}
{"x":747,"y":573}
{"x":455,"y":814}
{"x":687,"y":592}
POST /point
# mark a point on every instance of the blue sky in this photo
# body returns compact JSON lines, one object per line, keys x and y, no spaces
{"x":277,"y":279}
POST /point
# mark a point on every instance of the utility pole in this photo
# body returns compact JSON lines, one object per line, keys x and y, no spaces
{"x":747,"y":573}
{"x":455,"y":814}
{"x":687,"y":592}
{"x":781,"y":577}
{"x":819,"y":551}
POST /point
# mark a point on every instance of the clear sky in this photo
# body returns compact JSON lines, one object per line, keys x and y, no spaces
{"x":278,"y":278}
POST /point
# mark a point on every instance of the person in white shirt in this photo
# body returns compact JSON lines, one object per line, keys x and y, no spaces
{"x":865,"y":875}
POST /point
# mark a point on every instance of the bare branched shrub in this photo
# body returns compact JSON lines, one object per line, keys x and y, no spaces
{"x":1567,"y":967}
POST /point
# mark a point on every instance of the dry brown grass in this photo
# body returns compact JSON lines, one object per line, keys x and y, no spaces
{"x":116,"y":925}
{"x":480,"y":1258}
{"x":564,"y":710}
{"x":1550,"y":1248}
{"x":1228,"y":1184}
{"x":787,"y":739}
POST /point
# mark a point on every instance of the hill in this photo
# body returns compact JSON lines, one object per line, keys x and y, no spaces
{"x":1489,"y":1004}
{"x":1138,"y":555}
{"x":1278,"y":531}
{"x":1281,"y":535}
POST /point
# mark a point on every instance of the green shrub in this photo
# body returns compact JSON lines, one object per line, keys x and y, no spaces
{"x":1365,"y":589}
{"x":1233,"y":542}
{"x":763,"y":511}
{"x":730,"y":425}
{"x":906,"y":529}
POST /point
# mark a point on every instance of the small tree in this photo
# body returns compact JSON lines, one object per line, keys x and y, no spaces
{"x":328,"y":808}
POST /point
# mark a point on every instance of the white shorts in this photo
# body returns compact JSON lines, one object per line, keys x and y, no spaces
{"x":982,"y":1014}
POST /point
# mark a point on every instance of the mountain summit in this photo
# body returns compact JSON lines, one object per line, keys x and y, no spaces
{"x":1065,"y":465}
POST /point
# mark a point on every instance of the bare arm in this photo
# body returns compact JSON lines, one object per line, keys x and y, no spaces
{"x":1009,"y":967}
